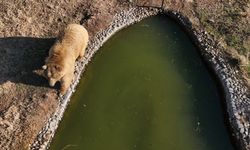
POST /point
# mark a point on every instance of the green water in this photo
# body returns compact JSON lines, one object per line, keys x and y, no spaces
{"x":146,"y":89}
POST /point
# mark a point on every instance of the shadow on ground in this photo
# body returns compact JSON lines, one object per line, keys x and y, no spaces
{"x":19,"y":56}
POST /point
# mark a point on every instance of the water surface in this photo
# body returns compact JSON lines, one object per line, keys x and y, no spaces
{"x":146,"y":89}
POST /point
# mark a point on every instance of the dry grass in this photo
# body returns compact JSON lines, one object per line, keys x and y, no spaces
{"x":228,"y":21}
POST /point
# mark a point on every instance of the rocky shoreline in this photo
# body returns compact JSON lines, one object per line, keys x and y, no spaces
{"x":230,"y":78}
{"x":237,"y":100}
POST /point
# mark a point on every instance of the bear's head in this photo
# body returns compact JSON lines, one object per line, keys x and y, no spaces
{"x":53,"y":72}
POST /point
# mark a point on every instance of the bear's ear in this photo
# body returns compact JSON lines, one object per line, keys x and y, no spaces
{"x":58,"y":68}
{"x":46,"y":60}
{"x":39,"y":72}
{"x":44,"y":67}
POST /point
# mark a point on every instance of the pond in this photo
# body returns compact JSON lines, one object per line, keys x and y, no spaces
{"x":146,"y":89}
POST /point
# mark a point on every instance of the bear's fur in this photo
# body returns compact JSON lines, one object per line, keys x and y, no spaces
{"x":60,"y":64}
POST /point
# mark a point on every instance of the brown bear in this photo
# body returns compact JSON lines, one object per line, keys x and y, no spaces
{"x":60,"y":64}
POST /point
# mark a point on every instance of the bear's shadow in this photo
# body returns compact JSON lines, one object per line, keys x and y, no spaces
{"x":19,"y":56}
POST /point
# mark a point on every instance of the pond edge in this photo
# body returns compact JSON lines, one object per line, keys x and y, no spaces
{"x":235,"y":91}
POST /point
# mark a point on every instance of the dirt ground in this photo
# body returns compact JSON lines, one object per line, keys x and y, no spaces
{"x":28,"y":29}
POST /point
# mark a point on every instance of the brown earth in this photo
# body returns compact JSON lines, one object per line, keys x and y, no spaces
{"x":28,"y":29}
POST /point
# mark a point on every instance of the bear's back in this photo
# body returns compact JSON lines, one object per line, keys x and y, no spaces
{"x":74,"y":33}
{"x":74,"y":37}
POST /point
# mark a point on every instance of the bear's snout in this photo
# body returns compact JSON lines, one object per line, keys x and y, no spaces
{"x":52,"y":82}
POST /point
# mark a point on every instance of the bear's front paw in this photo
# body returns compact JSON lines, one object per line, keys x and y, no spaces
{"x":63,"y":91}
